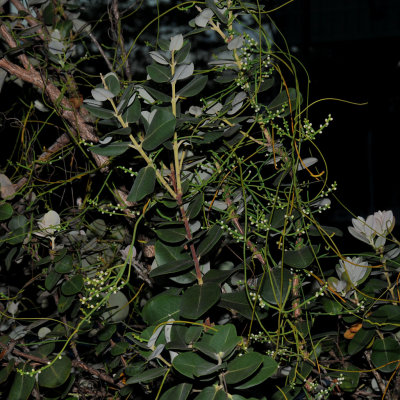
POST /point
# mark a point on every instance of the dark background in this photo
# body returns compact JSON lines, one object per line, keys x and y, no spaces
{"x":351,"y":49}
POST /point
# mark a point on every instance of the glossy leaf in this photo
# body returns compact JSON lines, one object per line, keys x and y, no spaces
{"x":194,"y":87}
{"x":22,"y":387}
{"x":99,"y":111}
{"x":143,"y":185}
{"x":173,"y":234}
{"x":147,"y":376}
{"x":176,"y":42}
{"x":360,"y":340}
{"x":178,"y":392}
{"x":194,"y":206}
{"x":387,"y":316}
{"x":119,"y":307}
{"x":161,"y":308}
{"x":351,"y":377}
{"x":72,"y":286}
{"x":132,"y":113}
{"x":301,"y":258}
{"x":220,"y":343}
{"x":159,"y":73}
{"x":199,"y":299}
{"x":386,"y":354}
{"x":158,"y":57}
{"x":112,"y":82}
{"x":182,"y":53}
{"x":110,"y":150}
{"x":219,"y":275}
{"x":6,"y":211}
{"x":56,"y":374}
{"x":101,"y":94}
{"x":107,"y":332}
{"x":121,"y":131}
{"x":242,"y":367}
{"x":183,"y":71}
{"x":6,"y":371}
{"x":51,"y":280}
{"x":64,"y":265}
{"x":161,"y":128}
{"x":211,"y":239}
{"x":276,"y":286}
{"x":171,"y":268}
{"x":237,"y":301}
{"x":268,"y":368}
{"x":192,"y":365}
{"x":218,"y":12}
{"x":119,"y":348}
{"x":212,"y":393}
{"x":160,"y":96}
{"x":166,"y":254}
{"x":64,"y":303}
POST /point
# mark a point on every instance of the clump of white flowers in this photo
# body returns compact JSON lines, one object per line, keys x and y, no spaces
{"x":374,"y":229}
{"x":48,"y":225}
{"x":351,"y":272}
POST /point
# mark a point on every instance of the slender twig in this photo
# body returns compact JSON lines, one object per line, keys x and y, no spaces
{"x":120,"y":39}
{"x":75,"y":363}
{"x":377,"y":375}
{"x":101,"y":51}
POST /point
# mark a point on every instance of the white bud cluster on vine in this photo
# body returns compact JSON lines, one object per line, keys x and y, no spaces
{"x":321,"y":290}
{"x":259,"y":337}
{"x":310,"y":133}
{"x":231,"y":232}
{"x":257,"y":298}
{"x":94,"y":288}
{"x":128,"y":170}
{"x":111,"y":209}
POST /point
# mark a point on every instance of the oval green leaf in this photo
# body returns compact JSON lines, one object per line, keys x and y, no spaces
{"x":51,"y":280}
{"x":360,"y":340}
{"x":147,"y":376}
{"x":99,"y":111}
{"x":171,"y":268}
{"x":267,"y":370}
{"x":301,"y":258}
{"x":174,"y":234}
{"x":132,"y":113}
{"x":199,"y":299}
{"x":242,"y":367}
{"x":56,"y":374}
{"x":159,"y":73}
{"x":192,"y":365}
{"x":6,"y":211}
{"x":161,"y":308}
{"x":276,"y":286}
{"x":143,"y":185}
{"x":161,"y":128}
{"x":72,"y":286}
{"x":64,"y":302}
{"x":178,"y":392}
{"x":110,"y":150}
{"x":211,"y":239}
{"x":21,"y":387}
{"x":386,"y":354}
{"x":194,"y":87}
{"x":64,"y":265}
{"x":112,"y":83}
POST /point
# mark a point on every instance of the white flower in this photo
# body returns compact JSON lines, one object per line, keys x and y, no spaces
{"x":352,"y":270}
{"x":49,"y":223}
{"x":373,"y":230}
